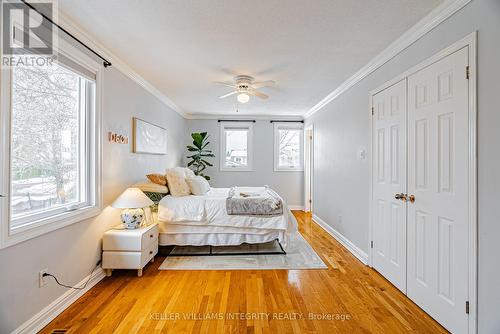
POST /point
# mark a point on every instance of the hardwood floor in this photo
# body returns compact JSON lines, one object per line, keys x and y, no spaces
{"x":348,"y":297}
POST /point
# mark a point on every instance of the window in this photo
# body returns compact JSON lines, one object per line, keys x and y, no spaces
{"x":52,"y":157}
{"x":288,"y":147}
{"x":236,"y":147}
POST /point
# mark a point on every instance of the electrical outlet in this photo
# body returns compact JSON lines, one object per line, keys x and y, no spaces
{"x":339,"y":220}
{"x":41,"y":279}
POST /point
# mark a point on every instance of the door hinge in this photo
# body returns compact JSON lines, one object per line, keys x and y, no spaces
{"x":467,"y":72}
{"x":467,"y":307}
{"x":373,"y":111}
{"x":310,"y":201}
{"x":371,"y":244}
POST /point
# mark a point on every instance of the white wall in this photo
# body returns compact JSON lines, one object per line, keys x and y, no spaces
{"x":289,"y":185}
{"x":71,"y":252}
{"x":341,"y":180}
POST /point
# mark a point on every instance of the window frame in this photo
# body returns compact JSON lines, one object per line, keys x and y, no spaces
{"x":93,"y":143}
{"x":222,"y":161}
{"x":293,"y":126}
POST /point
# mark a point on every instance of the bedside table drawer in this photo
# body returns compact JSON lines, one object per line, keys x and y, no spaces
{"x":128,"y":260}
{"x":148,"y":253}
{"x":150,"y":237}
{"x":130,"y":240}
{"x":122,"y":260}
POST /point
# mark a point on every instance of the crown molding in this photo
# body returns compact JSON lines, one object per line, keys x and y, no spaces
{"x":429,"y":22}
{"x":68,"y":24}
{"x":244,"y":116}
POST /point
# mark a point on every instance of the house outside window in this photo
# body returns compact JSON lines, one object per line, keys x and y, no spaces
{"x":288,"y":147}
{"x":236,"y":146}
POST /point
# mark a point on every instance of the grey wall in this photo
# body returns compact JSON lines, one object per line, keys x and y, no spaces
{"x":343,"y":126}
{"x":289,"y":185}
{"x":71,"y":252}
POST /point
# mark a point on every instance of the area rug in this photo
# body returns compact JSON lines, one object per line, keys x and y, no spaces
{"x":299,"y":255}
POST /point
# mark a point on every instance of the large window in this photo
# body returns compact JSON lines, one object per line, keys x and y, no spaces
{"x":288,"y":147}
{"x":53,"y":147}
{"x":236,"y":146}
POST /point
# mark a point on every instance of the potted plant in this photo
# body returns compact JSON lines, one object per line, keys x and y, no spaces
{"x":198,"y":161}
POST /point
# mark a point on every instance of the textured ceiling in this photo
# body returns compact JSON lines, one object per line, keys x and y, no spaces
{"x":309,"y":47}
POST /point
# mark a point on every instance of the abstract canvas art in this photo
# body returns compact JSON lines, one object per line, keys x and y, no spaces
{"x":148,"y":138}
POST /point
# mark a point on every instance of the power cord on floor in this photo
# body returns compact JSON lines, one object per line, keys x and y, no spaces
{"x":74,"y":287}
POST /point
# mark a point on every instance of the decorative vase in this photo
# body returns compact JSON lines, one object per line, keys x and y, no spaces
{"x":132,"y":218}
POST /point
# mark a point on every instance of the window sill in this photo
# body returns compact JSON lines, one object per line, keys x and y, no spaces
{"x":43,"y":226}
{"x":288,"y":170}
{"x":236,"y":169}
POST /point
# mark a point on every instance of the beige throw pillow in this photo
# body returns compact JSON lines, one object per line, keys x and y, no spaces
{"x":198,"y":185}
{"x":151,"y":187}
{"x":157,"y":178}
{"x":176,"y":179}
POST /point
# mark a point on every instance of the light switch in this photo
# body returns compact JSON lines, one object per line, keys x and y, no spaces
{"x":361,"y":153}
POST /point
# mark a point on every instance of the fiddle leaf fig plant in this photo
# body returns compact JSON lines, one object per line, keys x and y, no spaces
{"x":199,"y":154}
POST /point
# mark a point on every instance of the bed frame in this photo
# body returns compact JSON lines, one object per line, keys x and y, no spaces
{"x":210,"y":253}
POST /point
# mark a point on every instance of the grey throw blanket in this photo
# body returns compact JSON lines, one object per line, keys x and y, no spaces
{"x":262,"y":203}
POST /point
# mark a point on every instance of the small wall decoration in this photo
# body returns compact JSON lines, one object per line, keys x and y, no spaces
{"x":148,"y":138}
{"x":117,"y":138}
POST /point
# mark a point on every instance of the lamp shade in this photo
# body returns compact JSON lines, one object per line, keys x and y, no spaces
{"x":132,"y":198}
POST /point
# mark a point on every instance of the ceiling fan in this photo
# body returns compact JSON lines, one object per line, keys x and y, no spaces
{"x":244,"y":86}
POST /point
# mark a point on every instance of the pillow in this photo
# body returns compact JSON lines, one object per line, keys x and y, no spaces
{"x":176,"y":178}
{"x":189,"y":172}
{"x":151,"y":187}
{"x":198,"y":185}
{"x":157,"y":178}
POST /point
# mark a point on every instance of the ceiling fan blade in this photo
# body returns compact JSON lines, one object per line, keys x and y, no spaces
{"x":228,"y":94}
{"x":224,"y":84}
{"x":268,"y":83}
{"x":258,"y":94}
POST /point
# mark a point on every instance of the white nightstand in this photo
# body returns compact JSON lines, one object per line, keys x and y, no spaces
{"x":129,"y":249}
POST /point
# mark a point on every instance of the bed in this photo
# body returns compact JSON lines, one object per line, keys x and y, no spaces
{"x":203,"y":221}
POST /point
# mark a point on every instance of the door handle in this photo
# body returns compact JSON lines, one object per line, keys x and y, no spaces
{"x":411,"y":198}
{"x":400,"y":196}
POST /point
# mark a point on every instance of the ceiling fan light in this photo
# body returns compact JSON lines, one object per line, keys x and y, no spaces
{"x":243,"y":98}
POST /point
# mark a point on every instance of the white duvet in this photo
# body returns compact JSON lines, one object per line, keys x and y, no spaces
{"x":210,"y":210}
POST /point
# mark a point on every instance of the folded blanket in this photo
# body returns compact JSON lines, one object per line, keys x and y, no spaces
{"x":264,"y":203}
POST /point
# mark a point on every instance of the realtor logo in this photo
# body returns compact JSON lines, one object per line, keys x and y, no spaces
{"x":25,"y":31}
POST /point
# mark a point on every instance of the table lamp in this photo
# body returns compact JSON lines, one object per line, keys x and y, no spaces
{"x":132,"y":201}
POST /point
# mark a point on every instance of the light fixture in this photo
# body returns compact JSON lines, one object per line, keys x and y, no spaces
{"x":132,"y":201}
{"x":243,"y":98}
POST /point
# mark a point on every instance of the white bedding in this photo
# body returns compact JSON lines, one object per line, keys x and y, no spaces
{"x":206,"y":215}
{"x":210,"y":209}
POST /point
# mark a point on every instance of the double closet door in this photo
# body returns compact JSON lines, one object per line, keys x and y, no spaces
{"x":420,"y":192}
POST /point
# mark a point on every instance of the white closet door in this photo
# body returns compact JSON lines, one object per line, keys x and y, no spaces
{"x":389,"y":179}
{"x":437,"y":177}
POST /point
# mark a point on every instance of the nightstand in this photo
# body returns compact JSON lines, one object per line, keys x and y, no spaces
{"x":129,"y":249}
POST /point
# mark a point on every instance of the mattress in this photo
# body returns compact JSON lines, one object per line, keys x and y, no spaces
{"x":203,"y":220}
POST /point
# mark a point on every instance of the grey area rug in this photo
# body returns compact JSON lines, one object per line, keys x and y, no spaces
{"x":299,"y":255}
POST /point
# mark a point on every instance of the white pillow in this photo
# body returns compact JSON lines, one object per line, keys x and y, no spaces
{"x":189,"y":172}
{"x":198,"y":185}
{"x":176,"y":180}
{"x":151,"y":187}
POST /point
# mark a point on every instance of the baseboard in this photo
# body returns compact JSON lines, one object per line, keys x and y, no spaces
{"x":42,"y":318}
{"x":355,"y":250}
{"x":296,"y":207}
